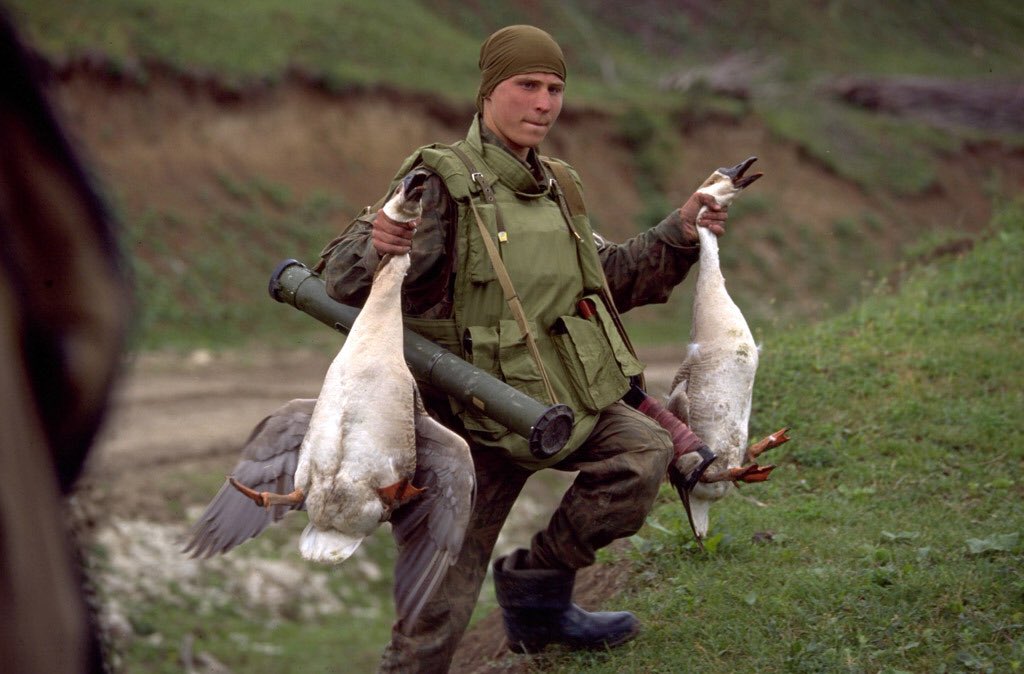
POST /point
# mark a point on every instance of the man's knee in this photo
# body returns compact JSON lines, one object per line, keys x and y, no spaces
{"x":650,"y":450}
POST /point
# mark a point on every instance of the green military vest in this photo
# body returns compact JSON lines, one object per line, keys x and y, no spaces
{"x":553,"y":263}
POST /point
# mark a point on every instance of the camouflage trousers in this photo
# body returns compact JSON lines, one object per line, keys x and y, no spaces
{"x":621,"y":466}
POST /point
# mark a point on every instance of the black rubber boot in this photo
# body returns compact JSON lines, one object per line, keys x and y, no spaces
{"x":538,"y":610}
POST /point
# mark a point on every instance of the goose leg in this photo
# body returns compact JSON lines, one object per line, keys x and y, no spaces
{"x":764,"y":444}
{"x":751,"y":473}
{"x":399,"y":493}
{"x":266,"y":498}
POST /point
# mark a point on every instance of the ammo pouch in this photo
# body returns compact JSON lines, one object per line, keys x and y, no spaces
{"x":595,"y":358}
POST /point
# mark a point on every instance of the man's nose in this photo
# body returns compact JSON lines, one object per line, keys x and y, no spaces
{"x":543,"y":101}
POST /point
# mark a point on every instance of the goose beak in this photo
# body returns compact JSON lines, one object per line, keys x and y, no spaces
{"x":736,"y":173}
{"x":413,"y":186}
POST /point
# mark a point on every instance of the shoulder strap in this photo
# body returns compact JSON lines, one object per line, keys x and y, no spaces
{"x":485,"y":187}
{"x":567,"y":184}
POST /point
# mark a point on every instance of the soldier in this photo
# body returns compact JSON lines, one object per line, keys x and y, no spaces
{"x":499,"y":221}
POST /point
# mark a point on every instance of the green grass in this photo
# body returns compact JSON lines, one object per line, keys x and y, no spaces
{"x":896,"y":510}
{"x":204,"y":283}
{"x":612,"y":48}
{"x":346,"y":41}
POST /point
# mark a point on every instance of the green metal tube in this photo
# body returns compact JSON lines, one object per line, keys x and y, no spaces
{"x":547,"y":428}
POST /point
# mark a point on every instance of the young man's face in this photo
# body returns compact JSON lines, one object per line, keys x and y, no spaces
{"x":522,"y":109}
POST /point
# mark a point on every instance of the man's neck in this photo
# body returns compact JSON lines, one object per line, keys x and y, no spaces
{"x":531,"y":162}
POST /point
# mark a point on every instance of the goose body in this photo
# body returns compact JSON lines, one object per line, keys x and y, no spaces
{"x":362,"y":437}
{"x":369,"y":453}
{"x":712,"y":391}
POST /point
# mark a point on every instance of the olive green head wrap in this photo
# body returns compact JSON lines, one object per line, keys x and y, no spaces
{"x":514,"y":50}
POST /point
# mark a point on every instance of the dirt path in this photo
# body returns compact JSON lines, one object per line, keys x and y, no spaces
{"x":171,"y":411}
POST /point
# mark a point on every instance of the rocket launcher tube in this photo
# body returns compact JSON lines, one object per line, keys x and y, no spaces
{"x":547,"y":428}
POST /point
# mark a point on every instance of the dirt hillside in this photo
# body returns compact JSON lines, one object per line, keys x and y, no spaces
{"x":171,"y":143}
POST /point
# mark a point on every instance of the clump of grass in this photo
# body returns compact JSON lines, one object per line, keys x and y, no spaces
{"x":850,"y":143}
{"x":651,"y":138}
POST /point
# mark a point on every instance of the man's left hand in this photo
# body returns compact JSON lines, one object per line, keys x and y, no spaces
{"x":714,"y":217}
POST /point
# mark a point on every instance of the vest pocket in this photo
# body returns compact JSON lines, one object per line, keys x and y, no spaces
{"x":589,"y":361}
{"x":628,"y":363}
{"x":518,"y":367}
{"x":481,"y":349}
{"x":478,"y":263}
{"x":502,"y":352}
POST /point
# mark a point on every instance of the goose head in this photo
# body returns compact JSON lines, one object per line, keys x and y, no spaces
{"x":725,"y":183}
{"x":404,"y":205}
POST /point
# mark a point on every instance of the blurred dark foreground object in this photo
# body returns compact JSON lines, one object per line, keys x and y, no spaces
{"x":64,"y":307}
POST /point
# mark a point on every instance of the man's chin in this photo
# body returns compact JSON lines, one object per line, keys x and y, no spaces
{"x":533,"y":137}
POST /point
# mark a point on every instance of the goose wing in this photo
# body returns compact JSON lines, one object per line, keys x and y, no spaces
{"x":268,"y":463}
{"x":429,"y":530}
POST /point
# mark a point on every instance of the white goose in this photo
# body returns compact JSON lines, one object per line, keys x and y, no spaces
{"x":713,"y":388}
{"x":368,"y":448}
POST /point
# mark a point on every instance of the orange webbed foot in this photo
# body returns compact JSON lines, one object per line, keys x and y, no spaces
{"x":266,"y":499}
{"x":399,"y":493}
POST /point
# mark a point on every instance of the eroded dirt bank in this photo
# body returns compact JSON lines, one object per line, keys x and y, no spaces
{"x":171,"y":145}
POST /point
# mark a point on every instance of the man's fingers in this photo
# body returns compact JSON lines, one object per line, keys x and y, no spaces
{"x":714,"y":216}
{"x":706,"y":199}
{"x":389,"y":244}
{"x":385,"y":225}
{"x":392,"y":238}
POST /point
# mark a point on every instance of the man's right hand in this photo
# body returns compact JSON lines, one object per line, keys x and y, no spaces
{"x":390,"y":237}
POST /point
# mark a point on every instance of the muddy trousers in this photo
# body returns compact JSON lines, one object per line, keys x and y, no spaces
{"x":621,"y":466}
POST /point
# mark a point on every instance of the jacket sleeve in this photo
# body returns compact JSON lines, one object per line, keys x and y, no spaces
{"x":646,"y":268}
{"x":350,"y":260}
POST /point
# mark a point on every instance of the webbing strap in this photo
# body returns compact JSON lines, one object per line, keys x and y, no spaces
{"x":569,"y":189}
{"x":485,"y":187}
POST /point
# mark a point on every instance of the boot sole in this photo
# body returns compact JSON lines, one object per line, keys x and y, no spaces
{"x":531,"y":648}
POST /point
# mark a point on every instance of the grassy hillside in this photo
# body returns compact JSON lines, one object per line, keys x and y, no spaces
{"x":625,"y":48}
{"x":776,"y":57}
{"x":896,"y":517}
